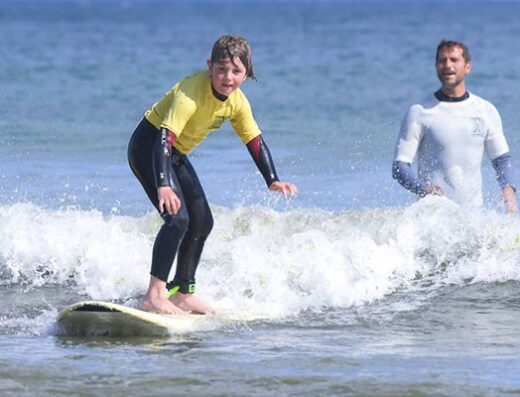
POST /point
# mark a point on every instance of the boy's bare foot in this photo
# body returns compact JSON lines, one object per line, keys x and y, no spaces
{"x":189,"y":302}
{"x":155,"y":299}
{"x":160,"y":305}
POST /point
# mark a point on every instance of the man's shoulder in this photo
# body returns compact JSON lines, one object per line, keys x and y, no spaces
{"x":477,"y":98}
{"x":484,"y":104}
{"x":423,"y":104}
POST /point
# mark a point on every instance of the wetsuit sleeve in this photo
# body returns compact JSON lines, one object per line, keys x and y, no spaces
{"x":495,"y":143}
{"x":162,"y":151}
{"x":404,"y":174}
{"x":410,"y":136}
{"x":408,"y":141}
{"x":504,"y":170}
{"x":263,"y":160}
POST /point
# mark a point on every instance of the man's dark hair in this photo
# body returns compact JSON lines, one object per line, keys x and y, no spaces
{"x":451,"y":44}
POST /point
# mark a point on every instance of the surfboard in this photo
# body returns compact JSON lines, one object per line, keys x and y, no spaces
{"x":98,"y":318}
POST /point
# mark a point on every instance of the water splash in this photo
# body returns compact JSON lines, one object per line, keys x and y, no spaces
{"x":261,"y":263}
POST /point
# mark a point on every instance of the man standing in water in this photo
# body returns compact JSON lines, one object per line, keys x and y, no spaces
{"x":449,"y":131}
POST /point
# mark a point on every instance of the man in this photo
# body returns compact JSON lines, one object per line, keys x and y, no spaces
{"x":449,"y":131}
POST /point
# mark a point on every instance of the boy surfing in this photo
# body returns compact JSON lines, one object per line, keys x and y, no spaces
{"x":158,"y":156}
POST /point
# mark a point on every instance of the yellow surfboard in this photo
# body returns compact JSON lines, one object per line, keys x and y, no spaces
{"x":98,"y":318}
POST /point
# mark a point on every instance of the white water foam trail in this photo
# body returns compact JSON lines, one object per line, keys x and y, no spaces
{"x":105,"y":257}
{"x":260,"y":263}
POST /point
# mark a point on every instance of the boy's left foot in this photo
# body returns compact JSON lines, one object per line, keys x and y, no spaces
{"x":190,"y":303}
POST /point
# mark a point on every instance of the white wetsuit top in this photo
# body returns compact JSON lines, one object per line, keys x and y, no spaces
{"x":449,"y":139}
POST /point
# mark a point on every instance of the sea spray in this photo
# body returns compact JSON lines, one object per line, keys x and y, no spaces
{"x":101,"y":257}
{"x":265,"y":263}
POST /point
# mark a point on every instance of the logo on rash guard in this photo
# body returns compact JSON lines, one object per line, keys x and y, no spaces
{"x":217,"y":123}
{"x":478,"y":127}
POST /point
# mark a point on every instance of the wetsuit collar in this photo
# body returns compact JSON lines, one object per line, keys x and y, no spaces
{"x":218,"y":95}
{"x":441,"y":96}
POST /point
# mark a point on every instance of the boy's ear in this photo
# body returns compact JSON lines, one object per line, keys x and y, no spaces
{"x":209,"y":65}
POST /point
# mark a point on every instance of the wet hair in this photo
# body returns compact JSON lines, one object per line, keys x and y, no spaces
{"x":452,"y":44}
{"x":231,"y":46}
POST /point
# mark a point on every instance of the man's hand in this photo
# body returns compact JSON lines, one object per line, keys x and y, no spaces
{"x":434,"y":189}
{"x":508,"y":197}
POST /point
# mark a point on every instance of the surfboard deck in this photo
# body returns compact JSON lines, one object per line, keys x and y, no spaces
{"x":98,"y":318}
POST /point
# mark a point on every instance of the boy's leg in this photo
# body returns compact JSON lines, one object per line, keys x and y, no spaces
{"x":190,"y":250}
{"x":167,"y":240}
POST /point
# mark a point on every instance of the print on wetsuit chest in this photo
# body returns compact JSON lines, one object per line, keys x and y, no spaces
{"x":458,"y":131}
{"x":478,"y":126}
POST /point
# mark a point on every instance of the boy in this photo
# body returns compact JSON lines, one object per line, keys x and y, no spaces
{"x":157,"y":155}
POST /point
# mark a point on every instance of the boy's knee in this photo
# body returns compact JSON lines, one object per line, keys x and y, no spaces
{"x":180,"y":220}
{"x":208,"y":226}
{"x":201,"y":224}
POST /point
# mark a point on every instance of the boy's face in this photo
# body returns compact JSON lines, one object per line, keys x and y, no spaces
{"x":227,"y":76}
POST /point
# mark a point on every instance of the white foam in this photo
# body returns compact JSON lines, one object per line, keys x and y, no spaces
{"x":105,"y":257}
{"x":260,"y":263}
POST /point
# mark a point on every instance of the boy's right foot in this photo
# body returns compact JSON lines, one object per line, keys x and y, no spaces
{"x":156,"y":301}
{"x":160,"y":306}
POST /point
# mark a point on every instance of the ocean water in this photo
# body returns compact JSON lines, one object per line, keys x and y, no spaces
{"x":354,"y":288}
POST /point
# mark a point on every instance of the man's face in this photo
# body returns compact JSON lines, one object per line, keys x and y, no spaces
{"x":451,"y":67}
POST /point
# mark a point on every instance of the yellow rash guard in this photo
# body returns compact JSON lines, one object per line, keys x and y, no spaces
{"x":191,"y":111}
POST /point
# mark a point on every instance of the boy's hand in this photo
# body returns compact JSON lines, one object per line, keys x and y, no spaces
{"x":287,"y":189}
{"x":168,"y":200}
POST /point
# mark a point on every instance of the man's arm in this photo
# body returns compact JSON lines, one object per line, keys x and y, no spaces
{"x":504,"y":170}
{"x":404,"y":174}
{"x":408,"y":141}
{"x":498,"y":150}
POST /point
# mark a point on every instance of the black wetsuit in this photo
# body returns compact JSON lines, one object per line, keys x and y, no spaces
{"x":155,"y":163}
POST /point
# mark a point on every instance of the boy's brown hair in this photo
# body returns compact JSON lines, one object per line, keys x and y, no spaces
{"x":231,"y":46}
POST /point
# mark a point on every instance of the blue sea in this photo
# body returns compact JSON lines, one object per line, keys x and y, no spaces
{"x":354,"y":288}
